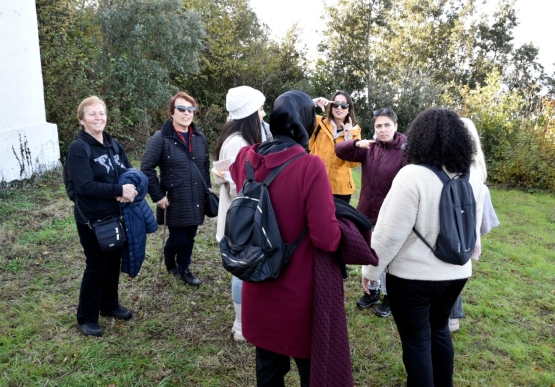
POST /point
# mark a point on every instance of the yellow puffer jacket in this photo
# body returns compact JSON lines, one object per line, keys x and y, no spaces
{"x":339,"y":171}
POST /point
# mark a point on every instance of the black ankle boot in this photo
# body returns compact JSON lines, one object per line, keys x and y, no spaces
{"x":189,"y":278}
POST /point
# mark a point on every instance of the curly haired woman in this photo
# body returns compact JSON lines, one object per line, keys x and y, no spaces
{"x":421,"y":288}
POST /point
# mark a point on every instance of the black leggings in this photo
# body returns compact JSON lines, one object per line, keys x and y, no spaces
{"x":421,"y":311}
{"x":271,"y":368}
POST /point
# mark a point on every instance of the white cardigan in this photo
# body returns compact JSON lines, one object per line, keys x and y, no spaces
{"x":413,"y":200}
{"x":228,"y":190}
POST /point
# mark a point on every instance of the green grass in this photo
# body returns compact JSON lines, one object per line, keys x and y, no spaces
{"x":181,"y":336}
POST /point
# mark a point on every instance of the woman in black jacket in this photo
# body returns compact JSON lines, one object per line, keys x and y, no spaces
{"x":176,"y":149}
{"x":91,"y":170}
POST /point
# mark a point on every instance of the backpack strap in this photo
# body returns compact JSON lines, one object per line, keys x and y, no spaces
{"x":273,"y":174}
{"x":444,"y":177}
{"x":317,"y":131}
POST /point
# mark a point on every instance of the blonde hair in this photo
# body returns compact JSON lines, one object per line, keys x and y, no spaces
{"x":86,"y":103}
{"x":479,"y":160}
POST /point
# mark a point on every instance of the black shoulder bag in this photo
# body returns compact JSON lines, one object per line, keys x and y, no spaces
{"x":109,"y":231}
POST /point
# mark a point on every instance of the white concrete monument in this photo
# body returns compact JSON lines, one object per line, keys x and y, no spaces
{"x":28,"y":144}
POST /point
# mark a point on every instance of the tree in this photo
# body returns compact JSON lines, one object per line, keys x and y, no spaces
{"x":67,"y":54}
{"x":146,"y":44}
{"x":237,"y":51}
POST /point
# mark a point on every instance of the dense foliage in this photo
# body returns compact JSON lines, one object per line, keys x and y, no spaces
{"x":406,"y":54}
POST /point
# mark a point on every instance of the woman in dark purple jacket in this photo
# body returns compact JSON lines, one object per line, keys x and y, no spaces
{"x":381,"y":160}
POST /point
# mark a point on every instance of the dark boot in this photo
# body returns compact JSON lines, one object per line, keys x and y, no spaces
{"x":90,"y":329}
{"x":368,"y":300}
{"x":384,"y":310}
{"x":120,"y":313}
{"x":189,"y":278}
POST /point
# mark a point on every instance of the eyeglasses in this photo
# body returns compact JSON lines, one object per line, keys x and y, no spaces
{"x":379,"y":112}
{"x":182,"y":108}
{"x":337,"y":104}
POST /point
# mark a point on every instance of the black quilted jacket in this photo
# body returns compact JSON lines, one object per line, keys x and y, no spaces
{"x":179,"y":181}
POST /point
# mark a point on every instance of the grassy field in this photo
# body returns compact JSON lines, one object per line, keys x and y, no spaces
{"x":181,"y":336}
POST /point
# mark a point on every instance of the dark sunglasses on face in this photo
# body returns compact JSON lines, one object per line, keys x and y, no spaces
{"x":182,"y":108}
{"x":382,"y":111}
{"x":337,"y":104}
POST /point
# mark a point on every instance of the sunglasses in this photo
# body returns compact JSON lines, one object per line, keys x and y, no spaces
{"x":379,"y":112}
{"x":337,"y":104}
{"x":182,"y":108}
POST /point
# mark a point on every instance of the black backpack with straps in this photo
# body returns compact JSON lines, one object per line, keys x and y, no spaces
{"x":457,"y":219}
{"x":252,"y":248}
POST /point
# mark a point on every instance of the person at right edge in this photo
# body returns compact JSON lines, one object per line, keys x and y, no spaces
{"x":422,"y":289}
{"x":277,"y":315}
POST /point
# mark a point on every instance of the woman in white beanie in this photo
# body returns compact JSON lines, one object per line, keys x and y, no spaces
{"x":245,"y":107}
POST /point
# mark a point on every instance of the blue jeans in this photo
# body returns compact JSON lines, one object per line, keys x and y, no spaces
{"x":236,"y":288}
{"x":421,"y":312}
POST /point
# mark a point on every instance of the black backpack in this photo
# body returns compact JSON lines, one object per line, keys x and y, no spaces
{"x":457,"y":219}
{"x":252,"y":248}
{"x":70,"y":189}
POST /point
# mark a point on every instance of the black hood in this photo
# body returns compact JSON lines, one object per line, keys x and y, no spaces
{"x":294,"y":116}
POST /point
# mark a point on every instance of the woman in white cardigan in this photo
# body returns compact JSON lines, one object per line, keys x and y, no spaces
{"x":421,"y":288}
{"x":245,"y":107}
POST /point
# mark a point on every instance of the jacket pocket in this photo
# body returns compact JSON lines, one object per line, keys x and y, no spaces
{"x":171,"y":183}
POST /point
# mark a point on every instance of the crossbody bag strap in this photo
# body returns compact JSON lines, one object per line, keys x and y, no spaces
{"x":198,"y":171}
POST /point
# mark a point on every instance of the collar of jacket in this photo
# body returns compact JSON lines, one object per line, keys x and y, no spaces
{"x":275,"y":159}
{"x":398,"y":140}
{"x":108,"y":140}
{"x":167,"y":129}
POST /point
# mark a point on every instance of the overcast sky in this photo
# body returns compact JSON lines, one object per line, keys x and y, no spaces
{"x":535,"y":16}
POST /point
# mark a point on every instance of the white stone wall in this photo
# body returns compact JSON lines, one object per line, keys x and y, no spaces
{"x":28,"y":144}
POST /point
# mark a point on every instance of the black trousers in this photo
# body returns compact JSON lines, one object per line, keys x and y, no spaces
{"x":99,"y":286}
{"x":179,"y":246}
{"x":345,"y":198}
{"x":271,"y":368}
{"x":421,"y":311}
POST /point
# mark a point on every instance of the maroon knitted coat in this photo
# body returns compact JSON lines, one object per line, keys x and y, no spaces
{"x":331,"y":357}
{"x":277,"y":315}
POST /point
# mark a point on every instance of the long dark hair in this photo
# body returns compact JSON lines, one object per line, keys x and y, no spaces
{"x":250,"y":128}
{"x":351,"y":114}
{"x":439,"y":137}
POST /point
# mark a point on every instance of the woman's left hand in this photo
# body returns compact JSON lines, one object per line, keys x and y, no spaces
{"x":347,"y":129}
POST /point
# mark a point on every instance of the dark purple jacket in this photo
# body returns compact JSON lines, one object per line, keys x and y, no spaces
{"x":380,"y":164}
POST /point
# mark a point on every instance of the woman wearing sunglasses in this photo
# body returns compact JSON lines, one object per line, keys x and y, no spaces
{"x":340,"y":124}
{"x":180,"y":151}
{"x":381,"y":160}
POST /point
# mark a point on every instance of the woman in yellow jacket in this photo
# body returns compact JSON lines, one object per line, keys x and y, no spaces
{"x":339,"y":125}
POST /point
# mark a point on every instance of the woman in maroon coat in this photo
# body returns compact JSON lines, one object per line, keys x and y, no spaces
{"x":277,"y":315}
{"x":381,"y":160}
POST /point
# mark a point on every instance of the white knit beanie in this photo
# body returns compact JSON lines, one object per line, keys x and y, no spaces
{"x":242,"y":101}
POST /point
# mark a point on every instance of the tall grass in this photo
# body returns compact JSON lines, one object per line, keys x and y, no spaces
{"x":181,"y":336}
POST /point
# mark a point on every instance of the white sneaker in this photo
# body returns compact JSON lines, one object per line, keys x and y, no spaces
{"x":237,"y":327}
{"x":237,"y":331}
{"x":453,"y":324}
